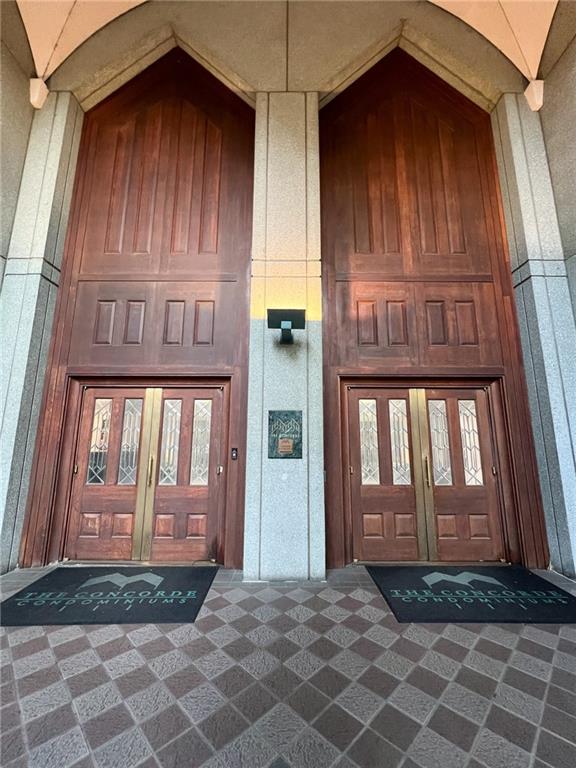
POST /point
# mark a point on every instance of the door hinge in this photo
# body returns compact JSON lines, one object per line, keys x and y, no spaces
{"x":494,"y":471}
{"x":75,"y":469}
{"x":351,"y":468}
{"x":219,"y":469}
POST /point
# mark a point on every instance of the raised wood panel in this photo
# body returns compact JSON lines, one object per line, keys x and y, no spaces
{"x":90,"y":523}
{"x":164,"y":526}
{"x":446,"y":526}
{"x":367,"y":323}
{"x":161,"y":175}
{"x":396,"y":323}
{"x":425,"y":324}
{"x":116,"y":220}
{"x":479,"y":526}
{"x":375,"y":322}
{"x":462,"y":325}
{"x":436,"y":323}
{"x":404,"y":526}
{"x":104,"y":323}
{"x":466,"y":323}
{"x":134,"y":325}
{"x":150,"y":324}
{"x":414,"y":203}
{"x":196,"y":526}
{"x":211,"y":190}
{"x":174,"y":314}
{"x":204,"y":323}
{"x":372,"y":525}
{"x":190,"y":132}
{"x":122,"y":525}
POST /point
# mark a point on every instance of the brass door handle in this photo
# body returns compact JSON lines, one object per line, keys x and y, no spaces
{"x":427,"y":471}
{"x":150,"y":471}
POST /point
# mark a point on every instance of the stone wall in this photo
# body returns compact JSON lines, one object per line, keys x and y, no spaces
{"x":16,"y":114}
{"x":559,"y":125}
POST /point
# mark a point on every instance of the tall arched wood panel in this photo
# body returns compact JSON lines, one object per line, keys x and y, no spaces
{"x":155,"y":296}
{"x":421,"y":343}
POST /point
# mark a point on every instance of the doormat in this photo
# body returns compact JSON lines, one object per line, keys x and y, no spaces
{"x":110,"y":595}
{"x":470,"y":594}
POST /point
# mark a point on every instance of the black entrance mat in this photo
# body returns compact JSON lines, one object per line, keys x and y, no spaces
{"x":111,"y":595}
{"x":470,"y":594}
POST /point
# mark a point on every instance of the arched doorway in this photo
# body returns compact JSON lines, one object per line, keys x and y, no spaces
{"x":429,"y":452}
{"x":147,"y":380}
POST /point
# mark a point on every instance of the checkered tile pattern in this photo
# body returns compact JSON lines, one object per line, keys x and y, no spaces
{"x":307,"y":675}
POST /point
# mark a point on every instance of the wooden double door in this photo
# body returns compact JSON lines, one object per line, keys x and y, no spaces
{"x":149,"y":466}
{"x":423,"y":474}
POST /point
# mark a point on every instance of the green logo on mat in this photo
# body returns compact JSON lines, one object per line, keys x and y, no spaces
{"x":463,"y":593}
{"x":84,"y":595}
{"x":462,"y":578}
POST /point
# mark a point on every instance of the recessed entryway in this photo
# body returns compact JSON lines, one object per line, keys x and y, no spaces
{"x":423,"y":474}
{"x":148,"y":478}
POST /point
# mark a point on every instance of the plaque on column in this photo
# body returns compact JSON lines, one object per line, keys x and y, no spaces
{"x":284,"y":434}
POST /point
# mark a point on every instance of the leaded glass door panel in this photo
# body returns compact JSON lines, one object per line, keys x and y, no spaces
{"x":104,"y":499}
{"x":187,"y":468}
{"x":383,"y":475}
{"x":423,"y":477}
{"x":146,"y":482}
{"x":462,"y":476}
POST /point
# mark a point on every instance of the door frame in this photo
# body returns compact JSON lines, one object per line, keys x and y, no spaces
{"x":58,"y":517}
{"x":494,"y":386}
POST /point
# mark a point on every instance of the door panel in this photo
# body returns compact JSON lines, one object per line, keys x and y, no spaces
{"x":104,"y":490}
{"x":147,"y":480}
{"x":423,"y":475}
{"x":185,"y":519}
{"x":382,"y":476}
{"x":463,"y":483}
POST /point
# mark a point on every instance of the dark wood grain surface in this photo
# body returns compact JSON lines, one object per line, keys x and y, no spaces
{"x":156,"y":273}
{"x":416,"y":278}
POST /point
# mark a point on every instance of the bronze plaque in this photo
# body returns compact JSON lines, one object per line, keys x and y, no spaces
{"x":284,"y":434}
{"x":285,"y":445}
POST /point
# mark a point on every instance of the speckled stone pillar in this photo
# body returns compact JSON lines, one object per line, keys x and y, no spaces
{"x":545,"y":314}
{"x":284,"y":534}
{"x":28,"y":298}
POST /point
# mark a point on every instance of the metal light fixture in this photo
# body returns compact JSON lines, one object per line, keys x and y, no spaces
{"x":287,"y":320}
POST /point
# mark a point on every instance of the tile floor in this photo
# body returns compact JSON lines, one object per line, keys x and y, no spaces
{"x":309,"y":675}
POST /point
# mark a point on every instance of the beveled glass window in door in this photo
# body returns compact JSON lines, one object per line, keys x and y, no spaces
{"x":369,"y":453}
{"x":99,"y":439}
{"x":441,"y":462}
{"x":200,"y":461}
{"x":130,"y":442}
{"x":399,"y":445}
{"x":470,"y":443}
{"x":168,"y":474}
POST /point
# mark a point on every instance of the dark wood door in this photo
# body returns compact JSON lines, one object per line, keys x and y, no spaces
{"x":106,"y":474}
{"x":148,"y":483}
{"x":384,"y":508}
{"x":461,"y":474}
{"x":187,"y":476}
{"x":423,"y":475}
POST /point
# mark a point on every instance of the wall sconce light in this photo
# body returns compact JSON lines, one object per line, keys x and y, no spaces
{"x":287,"y":320}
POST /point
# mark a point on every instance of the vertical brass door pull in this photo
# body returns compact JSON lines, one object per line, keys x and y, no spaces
{"x":427,"y":470}
{"x":141,"y":542}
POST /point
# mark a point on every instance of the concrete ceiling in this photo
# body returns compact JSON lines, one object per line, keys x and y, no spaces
{"x":518,"y":28}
